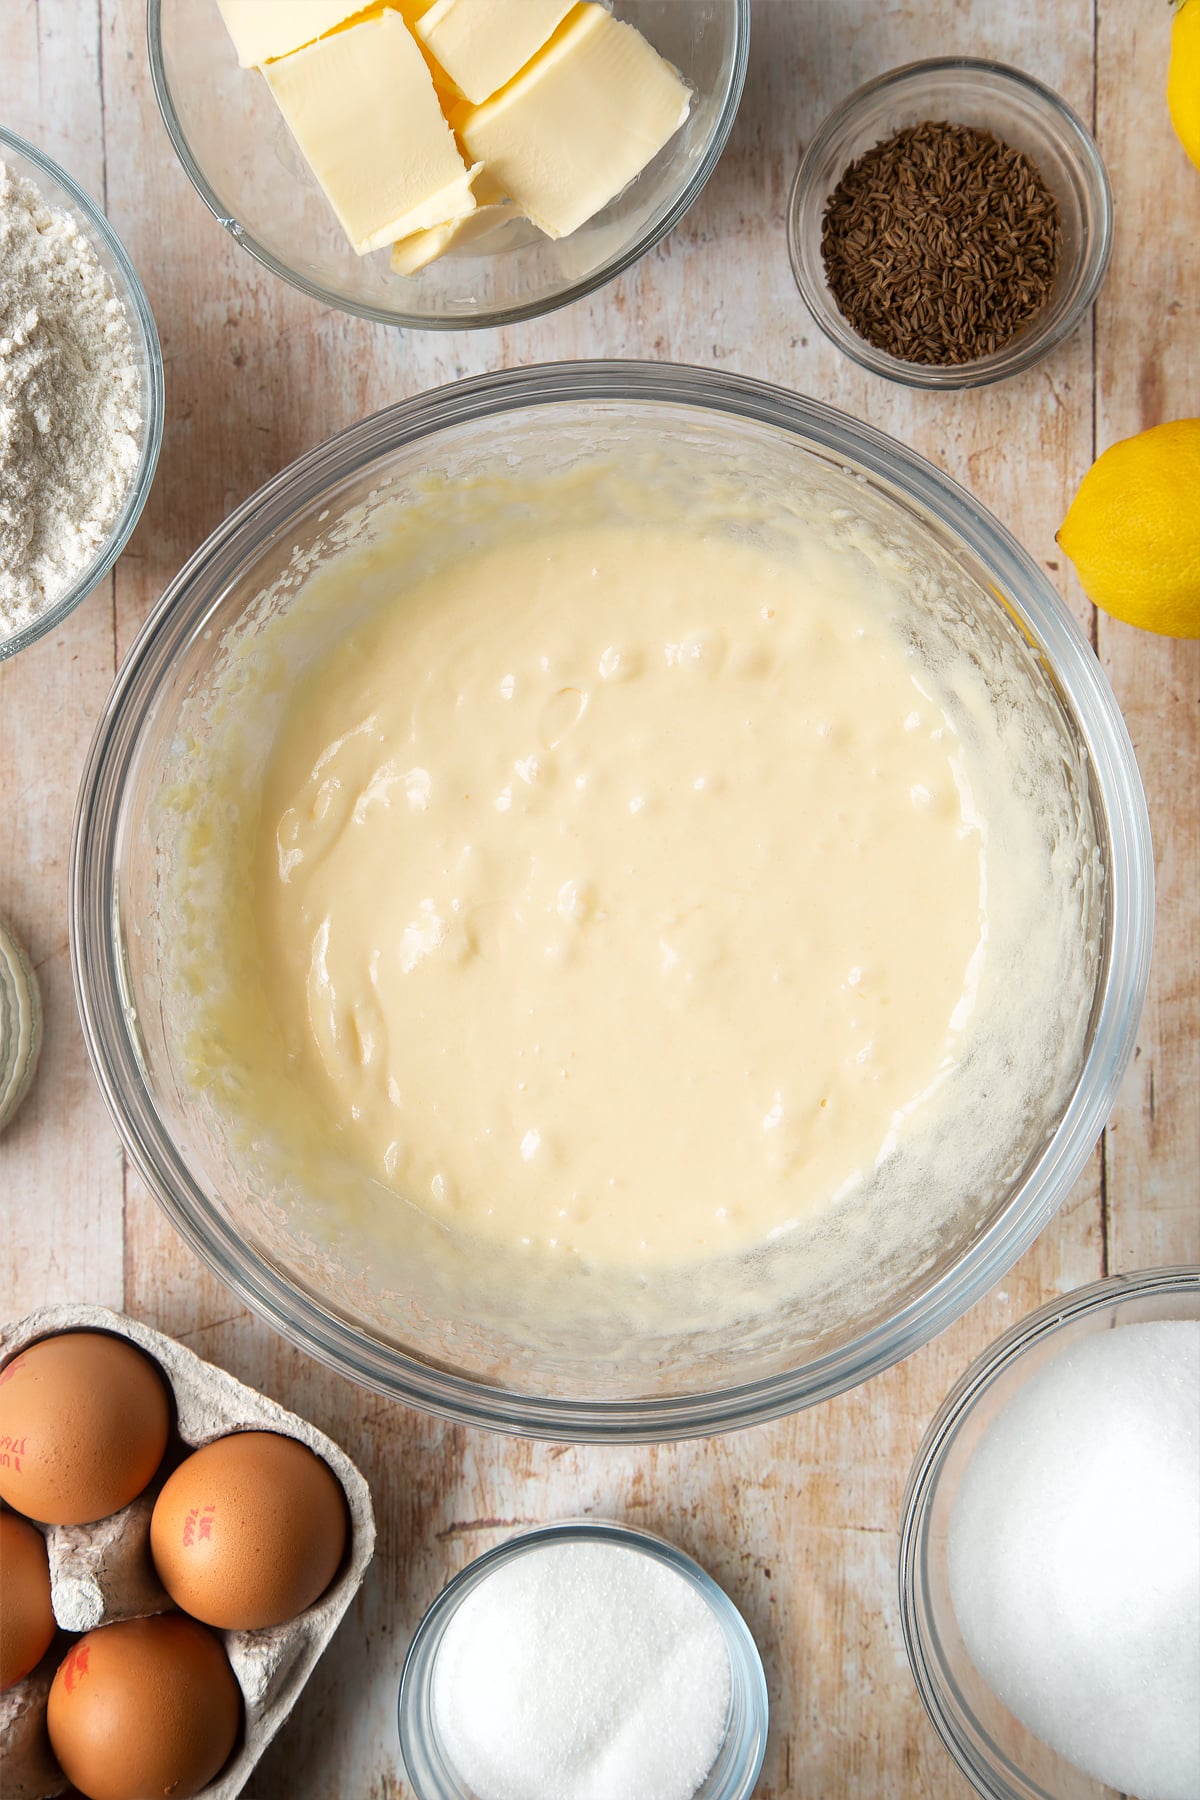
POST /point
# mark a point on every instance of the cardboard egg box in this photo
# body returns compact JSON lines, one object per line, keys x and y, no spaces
{"x":103,"y":1572}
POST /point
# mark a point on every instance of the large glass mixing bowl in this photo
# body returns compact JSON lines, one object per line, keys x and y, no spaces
{"x":549,"y":1361}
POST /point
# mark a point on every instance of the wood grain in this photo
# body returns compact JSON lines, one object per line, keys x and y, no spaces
{"x":60,"y":1169}
{"x":1148,"y":370}
{"x":797,"y":1519}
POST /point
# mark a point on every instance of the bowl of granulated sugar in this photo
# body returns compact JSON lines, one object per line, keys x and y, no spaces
{"x":81,"y":395}
{"x":579,"y":1660}
{"x":1050,"y":1551}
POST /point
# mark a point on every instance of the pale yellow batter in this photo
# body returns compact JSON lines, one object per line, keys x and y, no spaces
{"x":623,"y":891}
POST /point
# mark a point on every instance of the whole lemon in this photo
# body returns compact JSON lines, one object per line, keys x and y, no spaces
{"x":1133,"y":529}
{"x":1183,"y":77}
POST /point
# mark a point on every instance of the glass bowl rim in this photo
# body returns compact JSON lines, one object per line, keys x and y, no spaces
{"x":181,"y":613}
{"x":745,"y":1662}
{"x":498,"y":316}
{"x":1002,"y":1354}
{"x":1031,"y":346}
{"x":142,"y":325}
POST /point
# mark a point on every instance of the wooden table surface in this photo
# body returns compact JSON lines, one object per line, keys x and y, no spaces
{"x":797,"y":1519}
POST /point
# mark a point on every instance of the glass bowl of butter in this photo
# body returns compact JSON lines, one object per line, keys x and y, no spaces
{"x":448,"y":163}
{"x":610,"y":901}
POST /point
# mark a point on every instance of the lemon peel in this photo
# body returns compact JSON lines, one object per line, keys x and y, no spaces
{"x":1183,"y":77}
{"x":1133,"y":529}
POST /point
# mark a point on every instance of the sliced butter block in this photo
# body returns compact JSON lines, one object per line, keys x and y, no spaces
{"x":264,"y":29}
{"x":362,"y":107}
{"x":492,"y":208}
{"x":411,"y":11}
{"x":575,"y":127}
{"x":481,"y":44}
{"x":414,"y":253}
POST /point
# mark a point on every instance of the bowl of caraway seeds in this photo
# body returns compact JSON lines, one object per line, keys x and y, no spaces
{"x":950,"y":223}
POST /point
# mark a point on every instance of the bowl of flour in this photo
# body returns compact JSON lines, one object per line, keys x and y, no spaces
{"x":81,"y":395}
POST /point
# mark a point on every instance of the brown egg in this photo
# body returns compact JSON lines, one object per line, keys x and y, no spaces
{"x":26,"y":1615}
{"x":249,"y":1531}
{"x":147,"y":1706}
{"x":83,"y":1426}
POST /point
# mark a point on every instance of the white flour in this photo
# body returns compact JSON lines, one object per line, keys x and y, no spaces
{"x":69,"y":403}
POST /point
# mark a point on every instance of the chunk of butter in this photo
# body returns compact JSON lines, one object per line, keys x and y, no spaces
{"x":263,"y":29}
{"x":420,"y":248}
{"x":481,"y":44}
{"x":362,"y":107}
{"x":574,"y":127}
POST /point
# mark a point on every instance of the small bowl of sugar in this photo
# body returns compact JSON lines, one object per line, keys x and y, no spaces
{"x":582,"y":1658}
{"x":81,"y":376}
{"x":950,"y":223}
{"x":1050,"y":1551}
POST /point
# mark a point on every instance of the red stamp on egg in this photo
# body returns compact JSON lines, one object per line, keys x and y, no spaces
{"x":198,"y":1524}
{"x":76,"y":1666}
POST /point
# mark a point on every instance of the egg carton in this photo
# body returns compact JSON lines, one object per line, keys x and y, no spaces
{"x":103,"y":1572}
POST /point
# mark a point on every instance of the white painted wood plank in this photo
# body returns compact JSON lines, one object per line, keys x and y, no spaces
{"x":1148,"y":362}
{"x":799,"y":1518}
{"x":60,"y":1167}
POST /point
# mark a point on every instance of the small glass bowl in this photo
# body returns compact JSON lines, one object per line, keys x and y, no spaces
{"x":61,"y":193}
{"x":1018,"y":110}
{"x":738,"y":1761}
{"x":999,"y":1755}
{"x":240,"y":157}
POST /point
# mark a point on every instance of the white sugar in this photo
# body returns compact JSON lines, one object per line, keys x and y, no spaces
{"x":1074,"y":1557}
{"x":582,"y":1672}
